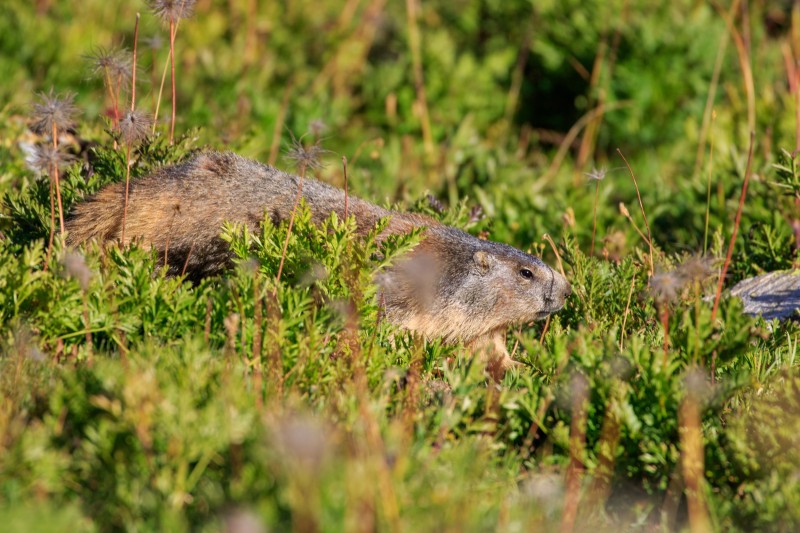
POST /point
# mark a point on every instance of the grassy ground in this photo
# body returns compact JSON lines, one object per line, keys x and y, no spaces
{"x":134,"y":401}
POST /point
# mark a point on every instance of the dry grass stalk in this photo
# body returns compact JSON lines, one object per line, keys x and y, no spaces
{"x":132,"y":131}
{"x":624,"y":211}
{"x":279,"y":121}
{"x":569,"y":139}
{"x":708,"y":184}
{"x":743,"y":55}
{"x":414,"y":43}
{"x":641,"y":206}
{"x":53,"y":114}
{"x":173,"y":30}
{"x":707,"y":124}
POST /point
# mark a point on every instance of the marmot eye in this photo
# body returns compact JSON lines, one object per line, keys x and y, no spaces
{"x":525,"y":273}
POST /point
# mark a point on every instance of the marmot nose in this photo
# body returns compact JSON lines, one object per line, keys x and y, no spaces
{"x":567,"y":290}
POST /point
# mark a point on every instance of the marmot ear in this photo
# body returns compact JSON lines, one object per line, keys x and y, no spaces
{"x":483,"y":260}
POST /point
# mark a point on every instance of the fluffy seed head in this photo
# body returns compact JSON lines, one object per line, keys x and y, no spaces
{"x":172,"y":10}
{"x":665,"y":286}
{"x":134,"y":126}
{"x":43,"y":158}
{"x":305,"y":157}
{"x":110,"y":61}
{"x":597,"y":174}
{"x":54,"y":110}
{"x":696,"y":269}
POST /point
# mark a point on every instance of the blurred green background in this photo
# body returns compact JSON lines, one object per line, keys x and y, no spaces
{"x":493,"y":115}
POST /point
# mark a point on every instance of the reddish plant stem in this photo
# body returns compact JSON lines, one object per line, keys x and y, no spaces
{"x":736,"y":223}
{"x":729,"y":255}
{"x":594,"y":216}
{"x":52,"y":226}
{"x":172,"y":76}
{"x":133,"y":68}
{"x":127,"y":188}
{"x":58,"y":183}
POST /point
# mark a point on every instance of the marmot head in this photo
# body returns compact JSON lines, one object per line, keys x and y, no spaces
{"x":513,"y":287}
{"x":458,"y":287}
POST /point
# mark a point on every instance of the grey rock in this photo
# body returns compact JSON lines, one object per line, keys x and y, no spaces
{"x":771,"y":295}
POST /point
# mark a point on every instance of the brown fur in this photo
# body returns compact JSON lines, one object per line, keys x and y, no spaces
{"x":452,"y":286}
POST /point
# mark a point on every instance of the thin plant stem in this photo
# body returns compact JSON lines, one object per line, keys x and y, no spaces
{"x":291,"y":223}
{"x":160,"y":93}
{"x":625,"y":314}
{"x":639,"y":231}
{"x":128,"y":148}
{"x":88,"y":333}
{"x":732,"y":243}
{"x":708,"y":184}
{"x":793,"y":52}
{"x":58,"y":184}
{"x":725,"y":265}
{"x":117,"y":88}
{"x":790,"y":64}
{"x":517,"y":76}
{"x":279,"y":121}
{"x":594,"y":216}
{"x":133,"y":68}
{"x":414,"y":44}
{"x":743,"y":55}
{"x":572,"y":134}
{"x":664,"y":312}
{"x":346,"y":195}
{"x":549,"y":239}
{"x":110,"y":87}
{"x":163,"y":81}
{"x":590,"y":133}
{"x":172,"y":31}
{"x":544,"y":329}
{"x":188,"y":256}
{"x":257,"y":325}
{"x":641,"y":206}
{"x":708,"y":112}
{"x":127,"y":188}
{"x":797,"y":110}
{"x":52,"y":225}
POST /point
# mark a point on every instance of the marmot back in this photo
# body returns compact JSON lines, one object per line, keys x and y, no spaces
{"x":452,"y":285}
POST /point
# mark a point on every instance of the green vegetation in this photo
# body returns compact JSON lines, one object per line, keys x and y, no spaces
{"x":130,"y":400}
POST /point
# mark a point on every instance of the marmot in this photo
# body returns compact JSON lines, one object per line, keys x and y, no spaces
{"x":452,"y":285}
